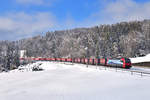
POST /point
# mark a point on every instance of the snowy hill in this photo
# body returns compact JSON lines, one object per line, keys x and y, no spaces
{"x":59,"y":81}
{"x":141,"y":59}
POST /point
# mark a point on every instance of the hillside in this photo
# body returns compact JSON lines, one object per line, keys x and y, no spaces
{"x":125,"y":39}
{"x":128,"y":39}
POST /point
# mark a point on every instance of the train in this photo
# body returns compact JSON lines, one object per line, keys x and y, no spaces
{"x":118,"y":63}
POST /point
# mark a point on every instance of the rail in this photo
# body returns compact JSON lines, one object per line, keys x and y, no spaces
{"x":131,"y":71}
{"x":142,"y":73}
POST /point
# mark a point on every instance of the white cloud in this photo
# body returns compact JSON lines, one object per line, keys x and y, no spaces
{"x":33,"y":2}
{"x":20,"y":25}
{"x":37,"y":2}
{"x":113,"y":12}
{"x":128,"y":10}
{"x":120,"y":10}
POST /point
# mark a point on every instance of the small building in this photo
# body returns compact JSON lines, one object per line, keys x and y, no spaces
{"x":23,"y":53}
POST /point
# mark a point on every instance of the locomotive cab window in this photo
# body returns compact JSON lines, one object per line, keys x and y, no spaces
{"x":127,"y":60}
{"x":121,"y":61}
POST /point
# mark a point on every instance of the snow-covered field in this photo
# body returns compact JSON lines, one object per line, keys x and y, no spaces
{"x":72,"y":82}
{"x":141,"y":59}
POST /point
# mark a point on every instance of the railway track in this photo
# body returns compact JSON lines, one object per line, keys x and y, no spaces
{"x":133,"y":71}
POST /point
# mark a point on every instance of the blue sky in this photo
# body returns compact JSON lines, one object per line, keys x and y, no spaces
{"x":26,"y":18}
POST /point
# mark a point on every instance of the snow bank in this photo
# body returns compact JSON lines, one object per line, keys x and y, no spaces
{"x":72,"y":82}
{"x":141,"y":59}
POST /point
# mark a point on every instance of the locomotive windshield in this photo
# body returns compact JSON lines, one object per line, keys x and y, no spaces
{"x":115,"y":62}
{"x":127,"y":60}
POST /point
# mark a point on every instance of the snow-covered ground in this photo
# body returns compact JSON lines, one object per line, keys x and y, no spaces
{"x":72,"y":82}
{"x":140,"y":59}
